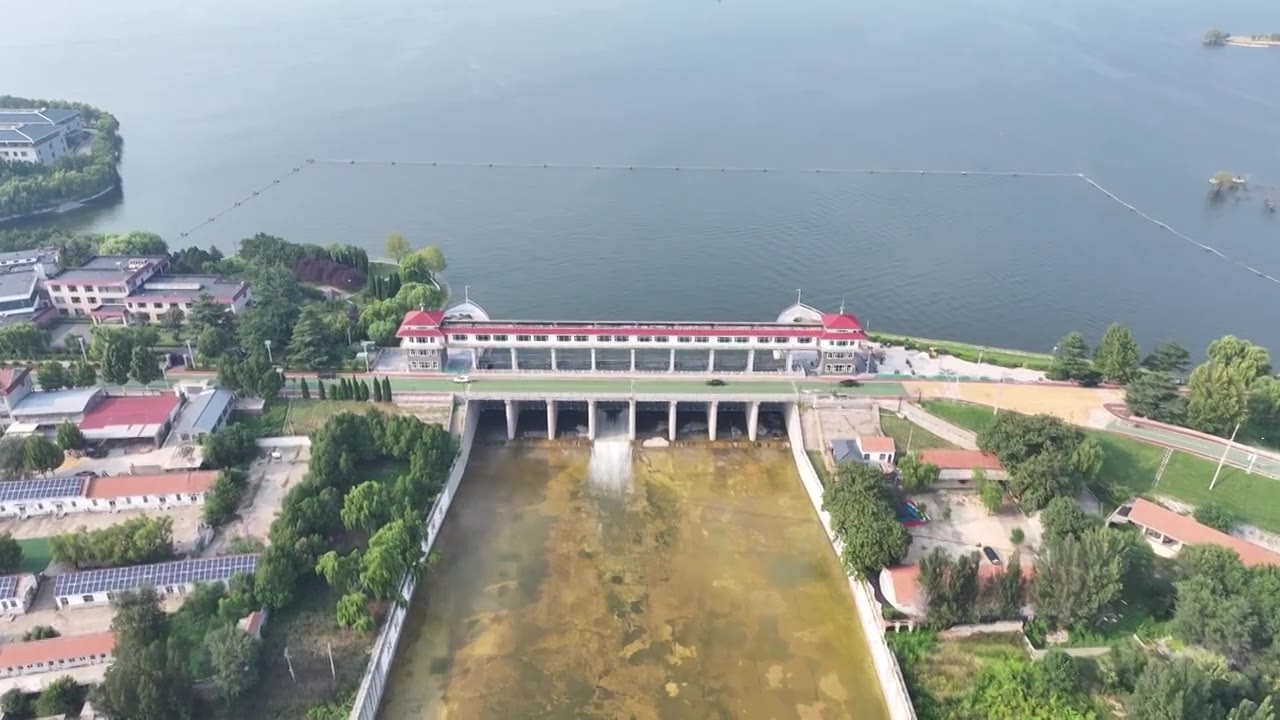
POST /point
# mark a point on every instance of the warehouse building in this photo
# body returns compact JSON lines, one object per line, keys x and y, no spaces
{"x":17,"y":592}
{"x":100,"y":587}
{"x":56,"y":654}
{"x":58,"y":496}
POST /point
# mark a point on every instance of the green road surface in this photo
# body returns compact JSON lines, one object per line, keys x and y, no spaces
{"x":1238,"y":455}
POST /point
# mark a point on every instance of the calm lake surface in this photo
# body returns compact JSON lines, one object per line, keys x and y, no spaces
{"x":590,"y":583}
{"x":219,"y":99}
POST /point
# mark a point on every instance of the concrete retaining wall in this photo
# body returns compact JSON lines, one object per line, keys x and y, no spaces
{"x":883,"y":659}
{"x":369,"y":696}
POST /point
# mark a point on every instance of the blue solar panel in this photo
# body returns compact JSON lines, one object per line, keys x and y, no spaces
{"x":50,"y":488}
{"x":215,"y":569}
{"x":8,"y":587}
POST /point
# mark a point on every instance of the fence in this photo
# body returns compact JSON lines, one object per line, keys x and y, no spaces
{"x":886,"y":664}
{"x":369,"y":696}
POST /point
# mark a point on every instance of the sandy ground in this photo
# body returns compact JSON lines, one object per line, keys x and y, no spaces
{"x":1082,"y":406}
{"x":269,"y":480}
{"x":896,"y":362}
{"x":848,"y":422}
{"x":120,"y":462}
{"x":70,"y":621}
{"x":970,"y":526}
{"x":186,"y":523}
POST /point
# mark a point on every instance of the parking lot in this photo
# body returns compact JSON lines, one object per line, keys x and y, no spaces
{"x":269,"y":479}
{"x":970,"y":526}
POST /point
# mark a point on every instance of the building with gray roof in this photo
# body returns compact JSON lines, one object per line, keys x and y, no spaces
{"x":41,"y":135}
{"x":204,"y":414}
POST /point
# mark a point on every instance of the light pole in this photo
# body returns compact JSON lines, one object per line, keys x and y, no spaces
{"x":269,"y":358}
{"x":1253,"y":457}
{"x":1223,"y":459}
{"x":83,"y":354}
{"x":191,"y":356}
{"x":1000,"y":394}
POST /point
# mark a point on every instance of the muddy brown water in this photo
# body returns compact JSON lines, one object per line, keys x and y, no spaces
{"x":699,"y":585}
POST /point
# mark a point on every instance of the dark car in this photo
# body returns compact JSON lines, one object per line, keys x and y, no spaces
{"x":97,"y":451}
{"x":850,"y":382}
{"x":716,"y":382}
{"x":991,"y":555}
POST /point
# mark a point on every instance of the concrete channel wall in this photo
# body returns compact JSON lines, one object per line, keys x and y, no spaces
{"x":369,"y":696}
{"x":892,"y":684}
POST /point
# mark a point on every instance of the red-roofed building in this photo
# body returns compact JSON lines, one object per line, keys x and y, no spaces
{"x":956,"y":464}
{"x":1168,"y":532}
{"x":876,"y":448}
{"x":126,"y":492}
{"x":15,"y":384}
{"x":132,"y":417}
{"x":900,"y":585}
{"x":56,"y":654}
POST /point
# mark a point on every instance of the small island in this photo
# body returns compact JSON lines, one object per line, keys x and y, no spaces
{"x":1216,"y":38}
{"x":54,"y":154}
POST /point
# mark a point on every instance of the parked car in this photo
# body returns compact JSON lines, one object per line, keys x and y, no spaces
{"x":96,"y":451}
{"x":850,"y":382}
{"x":991,"y":554}
{"x":462,"y":379}
{"x":716,"y":382}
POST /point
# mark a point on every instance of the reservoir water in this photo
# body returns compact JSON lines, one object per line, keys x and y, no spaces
{"x":217,"y":99}
{"x":681,"y":583}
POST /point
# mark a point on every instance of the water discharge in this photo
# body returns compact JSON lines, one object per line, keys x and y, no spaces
{"x":639,"y":583}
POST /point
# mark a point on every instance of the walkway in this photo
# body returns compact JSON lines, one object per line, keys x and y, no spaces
{"x":635,"y":385}
{"x":1239,"y":455}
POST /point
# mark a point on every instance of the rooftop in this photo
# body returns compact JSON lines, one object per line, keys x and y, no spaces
{"x":10,"y":585}
{"x":109,"y":269}
{"x":28,"y":132}
{"x":18,"y":281}
{"x":180,"y":572}
{"x":182,"y":483}
{"x":56,"y":402}
{"x":10,"y":378}
{"x":1186,"y":530}
{"x":21,"y":654}
{"x":29,"y":256}
{"x":947,"y":459}
{"x":36,"y":115}
{"x":41,"y":489}
{"x":203,"y":411}
{"x":129,"y":416}
{"x":876,"y":444}
{"x":183,"y":288}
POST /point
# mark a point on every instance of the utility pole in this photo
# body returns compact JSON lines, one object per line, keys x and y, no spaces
{"x":911,"y":431}
{"x":290,"y":661}
{"x":1223,"y":459}
{"x":332,"y":671}
{"x":269,"y":358}
{"x":84,"y":355}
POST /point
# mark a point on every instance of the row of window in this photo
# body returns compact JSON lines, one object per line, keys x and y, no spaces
{"x":60,"y":663}
{"x":87,"y":288}
{"x":700,"y":339}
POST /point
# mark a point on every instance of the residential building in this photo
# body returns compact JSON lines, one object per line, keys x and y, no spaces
{"x":957,"y":464}
{"x":63,"y":495}
{"x":56,"y":654}
{"x":1168,"y":532}
{"x":104,"y":280}
{"x":17,"y":592}
{"x":163,"y":292}
{"x":99,"y":587}
{"x":38,"y":135}
{"x":864,"y":449}
{"x":65,"y":119}
{"x":203,"y":414}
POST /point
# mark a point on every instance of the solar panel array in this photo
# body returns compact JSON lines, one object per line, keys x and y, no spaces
{"x":48,"y":488}
{"x":181,"y":572}
{"x":8,"y":587}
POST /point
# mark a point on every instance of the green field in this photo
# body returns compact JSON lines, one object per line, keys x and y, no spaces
{"x":1129,"y":468}
{"x":306,"y":416}
{"x":907,"y":435}
{"x":939,"y":673}
{"x":36,"y":554}
{"x":1003,"y":357}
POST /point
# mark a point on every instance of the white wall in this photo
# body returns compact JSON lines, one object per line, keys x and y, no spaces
{"x":56,"y":665}
{"x":80,"y":505}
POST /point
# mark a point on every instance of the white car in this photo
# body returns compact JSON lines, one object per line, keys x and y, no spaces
{"x":462,"y":379}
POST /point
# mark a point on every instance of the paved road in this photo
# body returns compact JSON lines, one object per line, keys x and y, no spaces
{"x":540,"y":383}
{"x":1239,"y":455}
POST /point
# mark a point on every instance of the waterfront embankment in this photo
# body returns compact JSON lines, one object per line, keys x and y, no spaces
{"x":1003,"y":357}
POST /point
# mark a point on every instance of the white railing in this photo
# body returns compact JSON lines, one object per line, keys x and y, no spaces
{"x":892,"y":684}
{"x":369,"y":696}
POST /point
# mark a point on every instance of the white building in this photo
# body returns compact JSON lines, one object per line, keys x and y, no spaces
{"x":103,"y":280}
{"x":39,"y":135}
{"x":56,"y":654}
{"x":17,"y":592}
{"x":99,"y":587}
{"x":60,"y":496}
{"x":163,"y":292}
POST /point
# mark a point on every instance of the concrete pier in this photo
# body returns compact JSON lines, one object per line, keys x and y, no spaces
{"x":633,"y":366}
{"x":591,"y":417}
{"x":671,"y":415}
{"x":513,"y":416}
{"x":553,"y":409}
{"x":515,"y":361}
{"x":751,"y":360}
{"x":554,"y":365}
{"x":631,"y":425}
{"x":711,"y":360}
{"x":753,"y":420}
{"x":671,"y":364}
{"x":593,"y":359}
{"x":713,"y":410}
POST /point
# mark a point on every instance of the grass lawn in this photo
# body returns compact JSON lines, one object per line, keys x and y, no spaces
{"x":381,"y":268}
{"x":270,"y":423}
{"x":815,"y":457}
{"x":306,"y":416}
{"x":36,"y":554}
{"x":307,"y":628}
{"x":967,"y":415}
{"x":903,"y":431}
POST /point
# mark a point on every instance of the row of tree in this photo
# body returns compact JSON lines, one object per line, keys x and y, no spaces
{"x":864,"y":517}
{"x":1117,"y":359}
{"x":61,"y":696}
{"x":352,"y":389}
{"x":22,"y":457}
{"x":136,"y":541}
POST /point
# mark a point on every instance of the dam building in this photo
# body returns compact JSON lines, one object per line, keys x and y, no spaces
{"x":464,"y":339}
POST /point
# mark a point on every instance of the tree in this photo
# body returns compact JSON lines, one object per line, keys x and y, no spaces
{"x":377,"y":391}
{"x":367,"y":507}
{"x":393,"y":550}
{"x":53,"y":375}
{"x":915,"y":474}
{"x":314,"y":343}
{"x":1215,"y":516}
{"x":1169,"y":358}
{"x":1263,"y":404}
{"x":116,"y":359}
{"x":140,"y":540}
{"x":416,"y":267}
{"x":1122,"y":667}
{"x":1078,"y":578}
{"x":208,"y":313}
{"x":1117,"y":355}
{"x":234,"y":656}
{"x":148,"y":678}
{"x":386,"y":389}
{"x":303,"y":389}
{"x":277,"y":302}
{"x":211,"y":342}
{"x":1244,"y":360}
{"x":1071,"y":360}
{"x":10,"y":554}
{"x":1171,"y":691}
{"x":70,"y":437}
{"x":950,"y":587}
{"x":173,"y":319}
{"x":59,"y":697}
{"x":1060,"y":672}
{"x":320,"y":388}
{"x":40,"y":455}
{"x":1044,"y":456}
{"x":145,"y":368}
{"x":1249,"y":710}
{"x":40,"y":632}
{"x":1155,"y":395}
{"x":397,"y":246}
{"x":353,"y":612}
{"x":225,"y":496}
{"x":13,"y":458}
{"x":434,"y":259}
{"x":863,"y":517}
{"x":230,"y":445}
{"x":991,"y":494}
{"x":1216,"y":401}
{"x":134,"y":243}
{"x":83,"y":374}
{"x":342,"y":572}
{"x":17,"y":703}
{"x":1007,"y":592}
{"x":1062,"y":517}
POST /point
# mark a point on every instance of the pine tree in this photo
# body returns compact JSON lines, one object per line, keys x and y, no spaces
{"x":393,"y":285}
{"x":377,"y":391}
{"x":364,"y":391}
{"x":344,"y":390}
{"x":320,"y":388}
{"x":306,"y":392}
{"x":386,"y":389}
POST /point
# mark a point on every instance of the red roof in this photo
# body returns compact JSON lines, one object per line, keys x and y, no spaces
{"x":903,"y":582}
{"x":960,"y":459}
{"x":876,"y":444}
{"x":162,"y":484}
{"x":130,"y":410}
{"x":11,"y":378}
{"x":511,"y":328}
{"x":67,"y":647}
{"x":430,"y":318}
{"x":1186,"y":530}
{"x":841,"y":322}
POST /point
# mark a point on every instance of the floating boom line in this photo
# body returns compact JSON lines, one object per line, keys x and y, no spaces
{"x":736,"y":170}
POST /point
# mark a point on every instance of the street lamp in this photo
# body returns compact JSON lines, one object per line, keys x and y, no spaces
{"x":83,"y":354}
{"x":269,"y":358}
